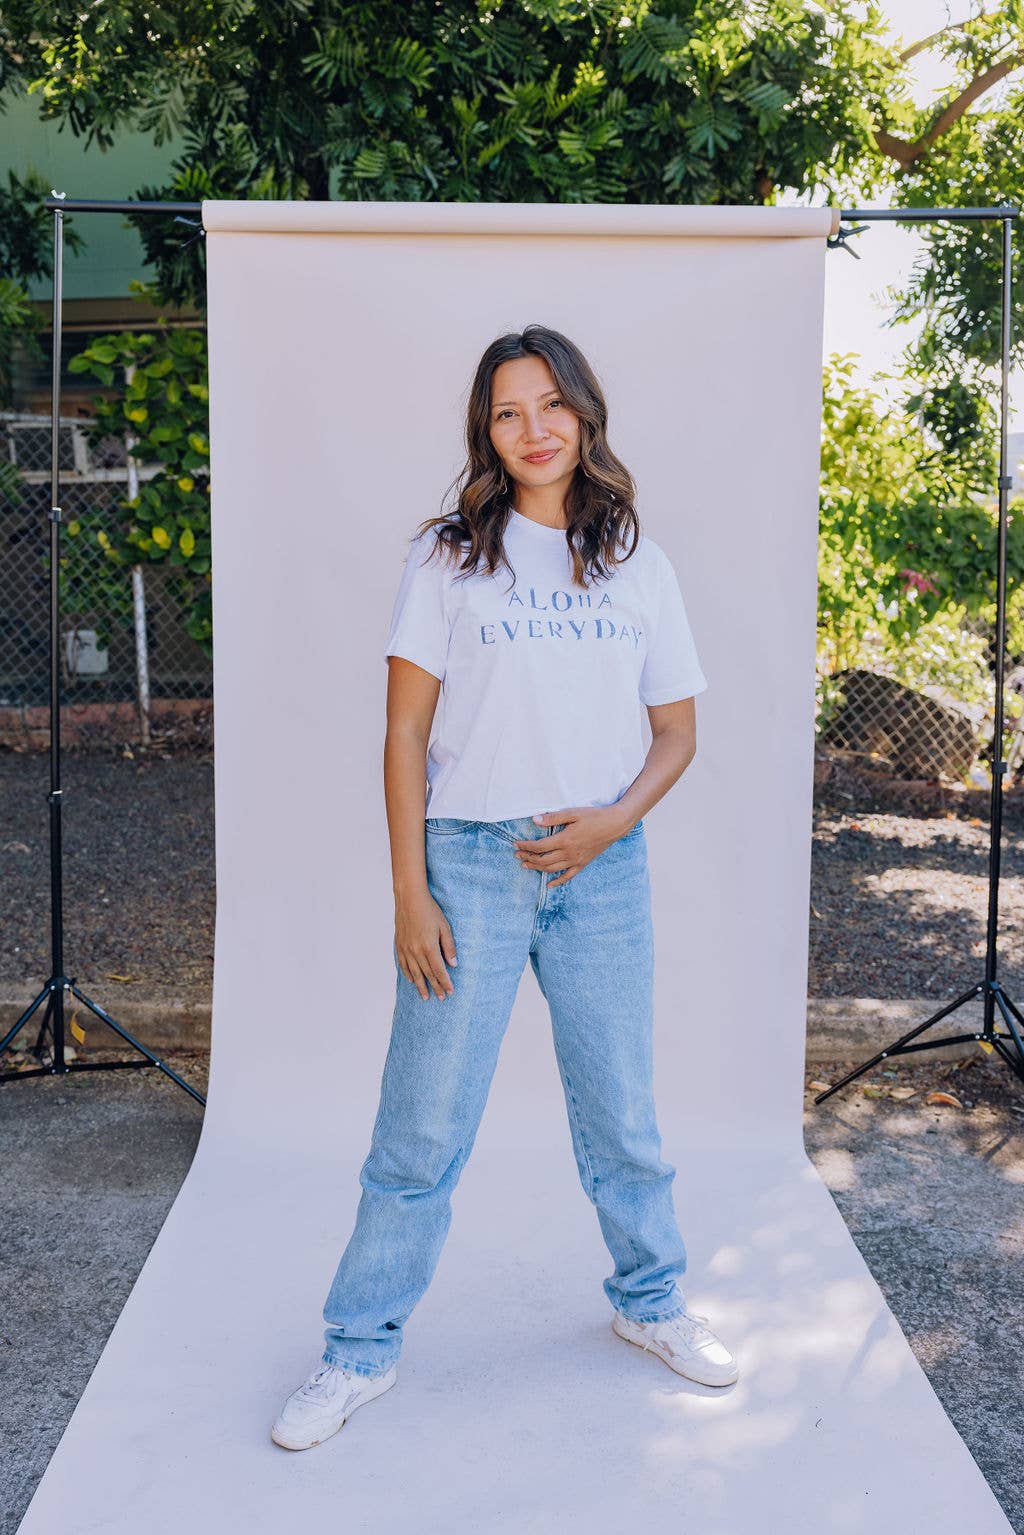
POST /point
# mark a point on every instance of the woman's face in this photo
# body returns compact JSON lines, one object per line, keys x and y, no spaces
{"x":535,"y":435}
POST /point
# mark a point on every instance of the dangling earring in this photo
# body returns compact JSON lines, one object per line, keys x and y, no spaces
{"x":503,"y":487}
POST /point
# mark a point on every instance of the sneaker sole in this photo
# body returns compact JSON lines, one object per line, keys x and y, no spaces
{"x":373,"y":1389}
{"x":671,"y":1360}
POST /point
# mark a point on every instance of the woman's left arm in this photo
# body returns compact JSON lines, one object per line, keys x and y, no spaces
{"x":672,"y":749}
{"x":590,"y":830}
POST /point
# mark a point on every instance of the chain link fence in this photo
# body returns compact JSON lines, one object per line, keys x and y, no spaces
{"x":123,"y":638}
{"x":924,"y":732}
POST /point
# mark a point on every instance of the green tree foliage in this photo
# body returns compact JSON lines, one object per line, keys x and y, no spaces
{"x":164,"y":408}
{"x":964,"y":149}
{"x":647,"y":101}
{"x":906,"y":550}
{"x":26,"y":253}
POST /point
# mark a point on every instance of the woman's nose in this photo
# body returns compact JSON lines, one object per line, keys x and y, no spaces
{"x":534,"y":429}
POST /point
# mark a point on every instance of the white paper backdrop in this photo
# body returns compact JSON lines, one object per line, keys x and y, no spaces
{"x":343,"y":338}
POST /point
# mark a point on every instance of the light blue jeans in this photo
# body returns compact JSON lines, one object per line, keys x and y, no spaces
{"x":590,"y":942}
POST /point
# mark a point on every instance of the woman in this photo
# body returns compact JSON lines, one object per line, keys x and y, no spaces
{"x":531,"y":844}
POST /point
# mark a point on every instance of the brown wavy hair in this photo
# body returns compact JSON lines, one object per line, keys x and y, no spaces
{"x":599,"y":505}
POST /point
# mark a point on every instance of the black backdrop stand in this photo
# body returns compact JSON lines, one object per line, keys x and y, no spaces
{"x":53,"y":992}
{"x":1009,"y":1044}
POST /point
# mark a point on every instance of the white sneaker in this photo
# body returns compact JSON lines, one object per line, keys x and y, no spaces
{"x":319,"y":1407}
{"x":685,"y":1345}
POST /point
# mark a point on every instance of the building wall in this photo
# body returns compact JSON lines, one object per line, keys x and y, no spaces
{"x":113,"y":253}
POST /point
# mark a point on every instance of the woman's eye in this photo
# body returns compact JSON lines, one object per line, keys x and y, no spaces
{"x":509,"y":412}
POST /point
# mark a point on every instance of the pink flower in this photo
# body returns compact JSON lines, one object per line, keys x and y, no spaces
{"x":922,"y":583}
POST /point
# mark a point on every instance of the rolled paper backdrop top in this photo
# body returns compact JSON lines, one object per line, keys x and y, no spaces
{"x":626,"y":219}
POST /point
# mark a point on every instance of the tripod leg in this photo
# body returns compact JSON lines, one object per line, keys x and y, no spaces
{"x":37,"y":1048}
{"x":1004,"y":1005}
{"x":1013,"y":1061}
{"x":899,"y":1043}
{"x":1005,"y":1001}
{"x":94,"y":1007}
{"x":26,"y":1015}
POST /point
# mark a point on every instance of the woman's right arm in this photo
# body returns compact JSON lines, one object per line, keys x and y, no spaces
{"x":423,"y":938}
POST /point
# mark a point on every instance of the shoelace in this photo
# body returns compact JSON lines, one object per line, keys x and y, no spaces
{"x":316,"y":1385}
{"x":688,"y":1326}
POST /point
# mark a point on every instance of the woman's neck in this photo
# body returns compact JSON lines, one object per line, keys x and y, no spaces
{"x":542,"y":503}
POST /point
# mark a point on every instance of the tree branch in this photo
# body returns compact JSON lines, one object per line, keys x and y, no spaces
{"x":906,"y":153}
{"x":927,"y":42}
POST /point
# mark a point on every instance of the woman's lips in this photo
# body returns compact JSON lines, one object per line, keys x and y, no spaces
{"x":540,"y":458}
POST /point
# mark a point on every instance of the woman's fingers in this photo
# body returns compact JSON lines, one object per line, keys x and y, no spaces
{"x":542,"y":860}
{"x":448,"y":943}
{"x":553,"y":865}
{"x":570,"y":873}
{"x":423,"y":951}
{"x":413,"y":975}
{"x":431,"y":964}
{"x":441,"y":979}
{"x":561,"y":865}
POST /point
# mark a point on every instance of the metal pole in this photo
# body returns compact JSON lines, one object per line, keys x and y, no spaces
{"x":138,"y":592}
{"x":999,"y":764}
{"x":56,"y":1005}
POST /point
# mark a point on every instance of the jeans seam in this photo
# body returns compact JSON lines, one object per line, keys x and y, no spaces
{"x":583,"y":1145}
{"x":382,"y":1105}
{"x":548,"y":832}
{"x":495,"y":829}
{"x":592,"y":1191}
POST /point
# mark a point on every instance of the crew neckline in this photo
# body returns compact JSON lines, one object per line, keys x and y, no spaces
{"x":541,"y":527}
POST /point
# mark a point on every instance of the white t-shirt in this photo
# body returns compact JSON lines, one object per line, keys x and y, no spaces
{"x":543,"y":682}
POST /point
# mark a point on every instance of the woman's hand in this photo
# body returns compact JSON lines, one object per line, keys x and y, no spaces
{"x":586,"y":833}
{"x":423,"y":941}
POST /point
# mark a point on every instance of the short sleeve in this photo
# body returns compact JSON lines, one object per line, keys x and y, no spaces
{"x":419,"y":628}
{"x":671,"y":668}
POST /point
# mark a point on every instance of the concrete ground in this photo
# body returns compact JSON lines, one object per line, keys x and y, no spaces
{"x":931,"y":1194}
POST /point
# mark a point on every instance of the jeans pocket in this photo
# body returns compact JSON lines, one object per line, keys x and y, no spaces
{"x":446,"y":825}
{"x":637,"y":829}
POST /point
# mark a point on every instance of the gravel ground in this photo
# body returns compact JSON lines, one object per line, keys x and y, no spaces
{"x":899,"y":906}
{"x":898,"y":901}
{"x":138,"y":871}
